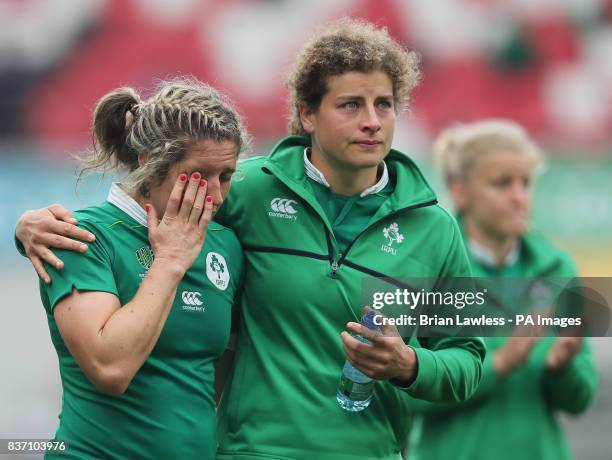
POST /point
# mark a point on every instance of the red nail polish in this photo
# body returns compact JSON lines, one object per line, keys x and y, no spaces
{"x":209,"y":199}
{"x":202,"y":183}
{"x":147,"y":207}
{"x":196,"y":175}
{"x":183,"y":177}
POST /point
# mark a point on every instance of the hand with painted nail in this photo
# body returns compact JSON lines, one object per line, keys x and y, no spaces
{"x":177,"y":238}
{"x":50,"y":227}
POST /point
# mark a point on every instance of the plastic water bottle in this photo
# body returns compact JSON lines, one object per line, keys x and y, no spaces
{"x":356,"y":389}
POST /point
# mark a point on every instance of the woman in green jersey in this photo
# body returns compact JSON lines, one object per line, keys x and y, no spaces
{"x":489,"y":168}
{"x":139,"y":319}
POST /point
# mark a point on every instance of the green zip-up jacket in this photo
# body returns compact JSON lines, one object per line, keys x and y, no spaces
{"x":515,"y":416}
{"x":299,"y":293}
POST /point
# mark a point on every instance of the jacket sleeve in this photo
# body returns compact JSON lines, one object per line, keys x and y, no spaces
{"x":573,"y":388}
{"x":449,"y":368}
{"x":488,"y":383}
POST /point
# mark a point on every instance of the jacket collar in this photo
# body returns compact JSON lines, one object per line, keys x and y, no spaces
{"x":286,"y":161}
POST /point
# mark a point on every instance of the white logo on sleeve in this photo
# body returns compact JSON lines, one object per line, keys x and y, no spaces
{"x":217,"y":271}
{"x":283,"y":208}
{"x":191,"y":298}
{"x":393,"y":235}
{"x":191,"y":301}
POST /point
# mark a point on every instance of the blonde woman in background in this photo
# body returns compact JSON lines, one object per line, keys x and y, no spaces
{"x":489,"y":168}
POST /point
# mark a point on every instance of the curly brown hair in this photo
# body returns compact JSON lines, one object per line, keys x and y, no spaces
{"x":348,"y":45}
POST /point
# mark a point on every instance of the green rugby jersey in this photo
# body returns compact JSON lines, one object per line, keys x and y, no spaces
{"x":168,"y":410}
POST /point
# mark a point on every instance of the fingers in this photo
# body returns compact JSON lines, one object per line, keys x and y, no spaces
{"x":40,"y":269}
{"x":61,"y":213}
{"x":356,"y":348}
{"x":198,"y":204}
{"x":63,"y":235}
{"x":362,"y":356}
{"x":43,"y":253}
{"x":189,"y":197}
{"x":152,"y":218}
{"x":176,"y":196}
{"x":206,"y":215}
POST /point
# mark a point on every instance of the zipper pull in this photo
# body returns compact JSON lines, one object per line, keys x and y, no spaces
{"x":334,"y":268}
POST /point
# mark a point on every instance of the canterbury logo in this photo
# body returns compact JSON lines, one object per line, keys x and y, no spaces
{"x":191,"y":298}
{"x":283,"y":205}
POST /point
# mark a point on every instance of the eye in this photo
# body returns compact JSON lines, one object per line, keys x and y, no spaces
{"x":226,"y":177}
{"x":351,"y":105}
{"x":502,"y":182}
{"x":385,"y":104}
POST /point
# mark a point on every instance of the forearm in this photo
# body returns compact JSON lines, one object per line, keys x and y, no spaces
{"x":131,"y":332}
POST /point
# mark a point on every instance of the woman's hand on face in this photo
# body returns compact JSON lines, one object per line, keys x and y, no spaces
{"x":178,"y":237}
{"x":50,"y":227}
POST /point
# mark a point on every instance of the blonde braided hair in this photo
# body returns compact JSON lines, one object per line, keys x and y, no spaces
{"x":180,"y":112}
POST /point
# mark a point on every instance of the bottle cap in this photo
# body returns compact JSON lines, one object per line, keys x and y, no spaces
{"x":368,"y":320}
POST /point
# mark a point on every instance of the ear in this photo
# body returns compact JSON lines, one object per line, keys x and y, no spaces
{"x":141,"y":158}
{"x":307,"y":116}
{"x":458,"y":192}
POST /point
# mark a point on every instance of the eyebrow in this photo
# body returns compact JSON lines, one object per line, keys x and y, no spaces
{"x":354,"y":96}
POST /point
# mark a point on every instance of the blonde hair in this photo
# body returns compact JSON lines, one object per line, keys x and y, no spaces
{"x":456,"y":149}
{"x":343,"y":46}
{"x":181,"y":112}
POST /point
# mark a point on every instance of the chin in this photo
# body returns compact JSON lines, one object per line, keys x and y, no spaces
{"x":364,"y":162}
{"x":516,"y":230}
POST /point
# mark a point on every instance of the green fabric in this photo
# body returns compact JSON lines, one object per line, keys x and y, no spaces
{"x":298,"y":296}
{"x":348,"y":215}
{"x":515,"y":415}
{"x":168,"y":410}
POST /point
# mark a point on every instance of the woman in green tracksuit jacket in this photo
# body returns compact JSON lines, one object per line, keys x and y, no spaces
{"x":526,"y":381}
{"x":330,"y":207}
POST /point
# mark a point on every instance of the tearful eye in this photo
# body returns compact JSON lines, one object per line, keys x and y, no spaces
{"x":350,"y":105}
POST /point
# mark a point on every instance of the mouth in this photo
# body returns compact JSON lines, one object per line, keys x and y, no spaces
{"x":367,"y":143}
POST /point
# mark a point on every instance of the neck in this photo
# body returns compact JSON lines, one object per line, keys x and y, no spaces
{"x":342,"y":180}
{"x":500,"y":246}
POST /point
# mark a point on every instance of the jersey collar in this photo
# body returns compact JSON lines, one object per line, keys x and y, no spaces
{"x":317,"y":176}
{"x":486,"y":257}
{"x":118,"y":197}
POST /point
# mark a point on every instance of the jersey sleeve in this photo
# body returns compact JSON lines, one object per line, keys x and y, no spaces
{"x":19,"y":246}
{"x":573,"y":388}
{"x":88,"y":271}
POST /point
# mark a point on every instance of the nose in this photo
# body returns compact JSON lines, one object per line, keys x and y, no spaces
{"x":521,"y":194}
{"x":370,"y":121}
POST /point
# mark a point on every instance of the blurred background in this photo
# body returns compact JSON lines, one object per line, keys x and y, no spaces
{"x":546,"y":64}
